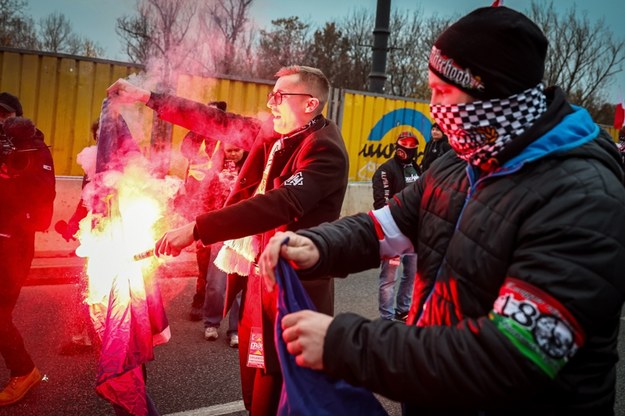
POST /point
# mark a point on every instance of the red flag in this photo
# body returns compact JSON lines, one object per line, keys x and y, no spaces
{"x":497,"y":3}
{"x":619,"y":116}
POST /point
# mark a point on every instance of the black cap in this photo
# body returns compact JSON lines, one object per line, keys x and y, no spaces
{"x":493,"y":52}
{"x":10,"y":104}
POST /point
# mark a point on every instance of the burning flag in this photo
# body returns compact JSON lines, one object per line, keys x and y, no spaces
{"x":125,"y":303}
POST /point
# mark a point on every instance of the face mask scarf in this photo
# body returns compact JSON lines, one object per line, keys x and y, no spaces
{"x":478,"y":131}
{"x":410,"y":152}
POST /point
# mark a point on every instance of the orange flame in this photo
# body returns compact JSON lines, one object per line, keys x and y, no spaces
{"x":109,"y":241}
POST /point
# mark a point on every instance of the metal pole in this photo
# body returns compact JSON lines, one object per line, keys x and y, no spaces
{"x":377,"y":76}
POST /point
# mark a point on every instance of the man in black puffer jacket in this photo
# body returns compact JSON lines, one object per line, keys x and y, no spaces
{"x":389,"y":178}
{"x":521,"y":239}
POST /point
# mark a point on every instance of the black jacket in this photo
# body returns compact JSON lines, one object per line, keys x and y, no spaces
{"x":549,"y":221}
{"x":27,"y":186}
{"x":433,"y":150}
{"x":389,"y":179}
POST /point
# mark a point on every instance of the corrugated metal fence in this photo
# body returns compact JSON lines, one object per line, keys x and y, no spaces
{"x":63,"y":95}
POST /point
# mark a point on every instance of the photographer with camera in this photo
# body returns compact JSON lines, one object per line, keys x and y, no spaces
{"x":27,"y":191}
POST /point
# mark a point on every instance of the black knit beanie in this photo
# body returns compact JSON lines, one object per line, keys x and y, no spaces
{"x":493,"y":52}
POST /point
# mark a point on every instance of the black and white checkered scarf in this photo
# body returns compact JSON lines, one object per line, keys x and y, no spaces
{"x":478,"y":131}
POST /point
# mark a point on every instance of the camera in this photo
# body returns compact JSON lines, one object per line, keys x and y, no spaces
{"x":17,"y":136}
{"x":15,"y":133}
{"x":6,"y":145}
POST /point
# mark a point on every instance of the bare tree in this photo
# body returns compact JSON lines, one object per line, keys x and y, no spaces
{"x":90,"y":48}
{"x":329,"y":52}
{"x":582,"y":58}
{"x":230,"y":18}
{"x":158,"y":35}
{"x":358,"y":29}
{"x":412,"y":36}
{"x":134,"y":31}
{"x":286,"y":44}
{"x":16,"y":29}
{"x":55,"y":34}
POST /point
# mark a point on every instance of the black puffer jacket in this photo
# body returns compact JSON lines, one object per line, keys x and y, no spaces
{"x":433,"y":150}
{"x":521,"y":283}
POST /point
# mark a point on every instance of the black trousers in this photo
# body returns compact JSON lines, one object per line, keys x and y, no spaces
{"x":16,"y":256}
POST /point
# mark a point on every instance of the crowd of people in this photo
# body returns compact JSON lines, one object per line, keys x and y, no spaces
{"x":509,"y":230}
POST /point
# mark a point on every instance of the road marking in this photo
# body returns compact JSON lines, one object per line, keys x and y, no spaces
{"x":219,"y":409}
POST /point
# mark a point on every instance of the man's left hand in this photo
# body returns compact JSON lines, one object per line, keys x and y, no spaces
{"x":304,"y":333}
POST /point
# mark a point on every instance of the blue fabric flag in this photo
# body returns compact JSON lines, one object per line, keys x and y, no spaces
{"x":305,"y":391}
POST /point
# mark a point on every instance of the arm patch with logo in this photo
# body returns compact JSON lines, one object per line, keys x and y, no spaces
{"x":296,"y":180}
{"x":539,"y":326}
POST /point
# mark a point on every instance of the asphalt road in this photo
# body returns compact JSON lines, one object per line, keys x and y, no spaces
{"x":189,"y":377}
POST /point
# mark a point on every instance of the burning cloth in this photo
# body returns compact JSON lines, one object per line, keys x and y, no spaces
{"x":125,"y":302}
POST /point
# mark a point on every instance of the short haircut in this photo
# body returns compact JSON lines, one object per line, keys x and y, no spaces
{"x":314,"y":78}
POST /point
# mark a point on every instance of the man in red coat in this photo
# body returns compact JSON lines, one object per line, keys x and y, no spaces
{"x":294,"y":177}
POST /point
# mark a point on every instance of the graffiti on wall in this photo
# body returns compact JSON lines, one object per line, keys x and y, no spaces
{"x":372,"y":140}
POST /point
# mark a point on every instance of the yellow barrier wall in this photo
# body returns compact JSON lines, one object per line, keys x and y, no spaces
{"x":613,"y":132}
{"x":62,"y":94}
{"x":370,"y":124}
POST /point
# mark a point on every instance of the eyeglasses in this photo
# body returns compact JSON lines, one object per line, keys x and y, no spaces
{"x":277,"y":96}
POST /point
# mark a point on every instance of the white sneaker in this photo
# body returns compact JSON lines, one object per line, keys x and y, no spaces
{"x":210,"y":334}
{"x":234,"y":341}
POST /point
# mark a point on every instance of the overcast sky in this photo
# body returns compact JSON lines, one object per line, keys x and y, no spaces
{"x":96,"y":19}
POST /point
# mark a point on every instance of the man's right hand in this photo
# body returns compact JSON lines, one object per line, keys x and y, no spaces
{"x":300,"y":251}
{"x":124,"y":92}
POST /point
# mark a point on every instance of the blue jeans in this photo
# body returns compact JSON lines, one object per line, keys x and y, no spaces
{"x":388,"y":277}
{"x":214,"y":297}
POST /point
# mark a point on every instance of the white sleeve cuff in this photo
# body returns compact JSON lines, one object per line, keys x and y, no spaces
{"x":394,"y":242}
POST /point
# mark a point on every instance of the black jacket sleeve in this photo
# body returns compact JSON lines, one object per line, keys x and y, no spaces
{"x":381,"y":187}
{"x":205,"y":120}
{"x":473,"y":362}
{"x":348,"y":245}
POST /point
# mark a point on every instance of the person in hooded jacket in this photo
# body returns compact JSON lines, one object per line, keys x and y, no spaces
{"x":389,"y":178}
{"x":27,"y":191}
{"x":435,"y":148}
{"x":520,"y":234}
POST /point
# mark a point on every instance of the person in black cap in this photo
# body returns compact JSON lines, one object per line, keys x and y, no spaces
{"x":435,"y":148}
{"x":389,"y":178}
{"x":520,"y":234}
{"x":27,"y":191}
{"x":10,"y":106}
